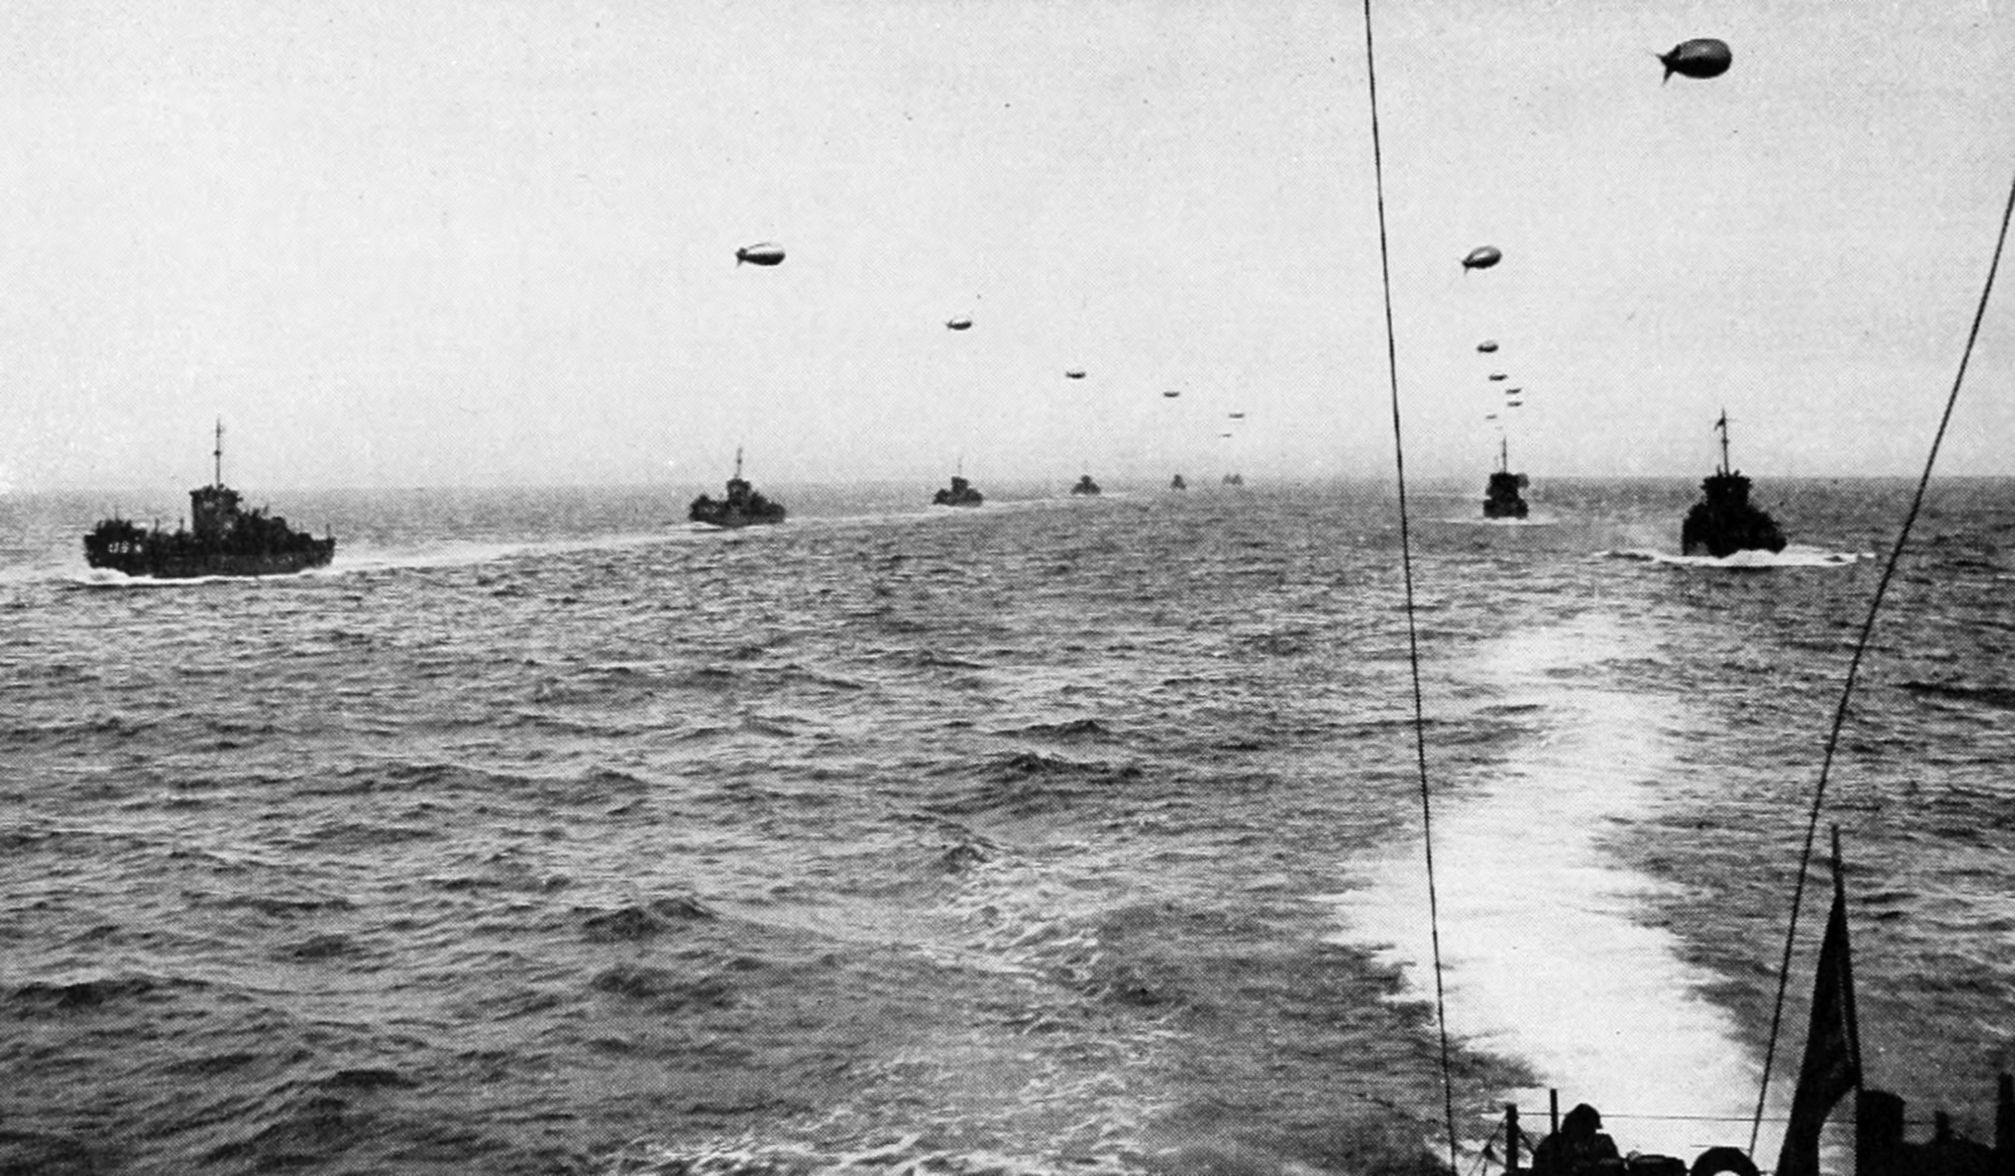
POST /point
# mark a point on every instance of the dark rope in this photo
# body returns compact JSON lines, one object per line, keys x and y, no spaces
{"x":1854,"y":663}
{"x":1406,"y":565}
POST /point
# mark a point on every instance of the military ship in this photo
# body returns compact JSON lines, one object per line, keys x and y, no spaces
{"x":1085,"y":486}
{"x":1234,"y":480}
{"x":1176,"y":483}
{"x":1723,"y":521}
{"x":222,"y":539}
{"x":743,"y":506}
{"x":1501,"y":499}
{"x":960,"y":494}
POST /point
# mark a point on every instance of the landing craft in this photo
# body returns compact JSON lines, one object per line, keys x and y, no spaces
{"x":1483,"y":256}
{"x":959,"y":324}
{"x":1702,"y":57}
{"x":1487,"y":346}
{"x":763,"y":254}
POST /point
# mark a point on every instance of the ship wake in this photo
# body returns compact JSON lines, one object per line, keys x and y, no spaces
{"x":1548,"y":942}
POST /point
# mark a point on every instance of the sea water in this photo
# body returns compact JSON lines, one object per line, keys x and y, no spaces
{"x":543,"y":832}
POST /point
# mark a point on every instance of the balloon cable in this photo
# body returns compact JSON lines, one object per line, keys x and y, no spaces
{"x":1854,"y":662}
{"x":1406,"y":565}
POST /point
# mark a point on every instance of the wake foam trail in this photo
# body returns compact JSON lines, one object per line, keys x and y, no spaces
{"x":1546,"y":956}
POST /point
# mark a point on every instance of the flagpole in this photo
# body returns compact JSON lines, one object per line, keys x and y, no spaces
{"x":1831,"y":1068}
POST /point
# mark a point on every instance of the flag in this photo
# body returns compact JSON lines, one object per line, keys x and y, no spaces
{"x":1722,"y":423}
{"x":1832,"y":1064}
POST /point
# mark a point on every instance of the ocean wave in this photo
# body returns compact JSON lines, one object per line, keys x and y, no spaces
{"x":1993,"y":697}
{"x":662,"y":990}
{"x":1071,"y":730}
{"x":95,"y":993}
{"x":319,"y":948}
{"x":1027,"y":783}
{"x":638,"y":922}
{"x":278,"y":906}
{"x":905,"y":1156}
{"x":43,"y":1154}
{"x":340,"y":836}
{"x":962,"y":857}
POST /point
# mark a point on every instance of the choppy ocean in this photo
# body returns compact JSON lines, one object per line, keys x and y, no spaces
{"x":543,"y":833}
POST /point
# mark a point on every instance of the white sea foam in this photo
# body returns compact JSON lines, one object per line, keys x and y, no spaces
{"x":1547,"y":953}
{"x":1535,"y":519}
{"x":1794,"y":556}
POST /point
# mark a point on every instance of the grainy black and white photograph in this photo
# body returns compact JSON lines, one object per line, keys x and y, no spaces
{"x":1006,"y":588}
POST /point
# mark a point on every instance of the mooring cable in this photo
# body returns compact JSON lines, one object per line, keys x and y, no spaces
{"x":1406,"y":567}
{"x":1854,"y":665}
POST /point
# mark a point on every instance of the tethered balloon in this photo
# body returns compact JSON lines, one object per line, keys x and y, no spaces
{"x":959,"y":324}
{"x":1237,"y":416}
{"x":766,"y":253}
{"x":1482,"y":257}
{"x":1487,"y":346}
{"x":1702,"y":57}
{"x":1074,"y":374}
{"x":1171,"y":395}
{"x":1500,"y":375}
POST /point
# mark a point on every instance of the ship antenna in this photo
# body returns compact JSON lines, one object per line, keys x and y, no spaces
{"x":217,"y":454}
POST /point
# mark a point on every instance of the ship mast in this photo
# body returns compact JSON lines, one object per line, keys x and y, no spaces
{"x":1503,"y":454}
{"x":1722,"y":426}
{"x":217,"y":454}
{"x":738,"y":462}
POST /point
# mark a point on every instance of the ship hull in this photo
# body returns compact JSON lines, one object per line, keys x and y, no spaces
{"x":1722,"y":533}
{"x":1724,"y":521}
{"x":734,"y":519}
{"x":171,"y":565}
{"x":1501,"y":498}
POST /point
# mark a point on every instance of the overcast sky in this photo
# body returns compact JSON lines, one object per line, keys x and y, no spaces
{"x":493,"y":242}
